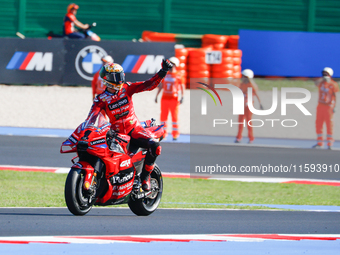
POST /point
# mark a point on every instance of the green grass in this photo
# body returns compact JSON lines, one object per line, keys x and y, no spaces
{"x":36,"y":189}
{"x":233,"y":192}
{"x":268,"y":84}
{"x":31,"y":189}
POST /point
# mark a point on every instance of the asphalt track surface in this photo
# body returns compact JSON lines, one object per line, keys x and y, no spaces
{"x":119,"y":221}
{"x":42,"y":151}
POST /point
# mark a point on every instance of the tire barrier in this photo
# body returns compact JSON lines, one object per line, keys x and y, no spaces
{"x":229,"y":66}
{"x":182,"y":55}
{"x":193,"y":63}
{"x":218,"y":42}
{"x":233,"y":42}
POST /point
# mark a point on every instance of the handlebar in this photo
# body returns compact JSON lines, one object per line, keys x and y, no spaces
{"x":94,"y":24}
{"x":112,"y":134}
{"x":120,"y":139}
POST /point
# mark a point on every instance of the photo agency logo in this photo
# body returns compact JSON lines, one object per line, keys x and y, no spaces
{"x":241,"y":100}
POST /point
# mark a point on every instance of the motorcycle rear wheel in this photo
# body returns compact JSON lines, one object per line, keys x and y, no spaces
{"x":146,"y":206}
{"x":77,"y":201}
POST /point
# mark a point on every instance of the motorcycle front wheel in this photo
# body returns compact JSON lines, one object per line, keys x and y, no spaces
{"x":77,"y":201}
{"x":146,"y":206}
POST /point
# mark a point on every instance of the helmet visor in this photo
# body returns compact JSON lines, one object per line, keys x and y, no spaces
{"x":117,"y":78}
{"x":112,"y":85}
{"x":325,"y":73}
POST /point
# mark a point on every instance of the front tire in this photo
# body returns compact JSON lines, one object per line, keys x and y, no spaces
{"x":77,"y":201}
{"x":146,"y":206}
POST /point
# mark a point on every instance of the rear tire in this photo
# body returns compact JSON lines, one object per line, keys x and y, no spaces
{"x":146,"y":206}
{"x":77,"y":202}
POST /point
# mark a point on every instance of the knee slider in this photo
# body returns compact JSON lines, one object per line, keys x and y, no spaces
{"x":155,"y":148}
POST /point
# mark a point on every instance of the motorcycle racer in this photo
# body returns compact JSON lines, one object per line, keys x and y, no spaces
{"x":116,"y":102}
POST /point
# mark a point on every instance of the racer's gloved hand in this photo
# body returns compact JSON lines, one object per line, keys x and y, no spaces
{"x":181,"y":101}
{"x":334,"y":110}
{"x":166,"y":65}
{"x":261,"y":106}
{"x":110,"y":134}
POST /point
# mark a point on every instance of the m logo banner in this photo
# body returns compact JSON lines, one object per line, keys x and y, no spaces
{"x":30,"y":61}
{"x":142,"y":64}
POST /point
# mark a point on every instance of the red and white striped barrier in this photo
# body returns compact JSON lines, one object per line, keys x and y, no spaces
{"x":166,"y":238}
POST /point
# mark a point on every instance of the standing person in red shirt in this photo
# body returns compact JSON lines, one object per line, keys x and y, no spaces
{"x":247,"y":82}
{"x":325,"y":109}
{"x":97,"y":83}
{"x":172,"y":84}
{"x":70,"y":20}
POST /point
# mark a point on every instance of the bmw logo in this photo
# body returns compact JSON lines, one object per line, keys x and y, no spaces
{"x":88,"y":61}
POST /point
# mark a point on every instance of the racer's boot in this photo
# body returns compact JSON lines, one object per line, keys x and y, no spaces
{"x":145,"y":177}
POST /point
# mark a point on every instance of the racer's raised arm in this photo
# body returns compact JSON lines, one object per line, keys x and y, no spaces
{"x":153,"y":82}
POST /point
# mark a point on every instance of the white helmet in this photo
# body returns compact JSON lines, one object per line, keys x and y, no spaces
{"x":248,"y":73}
{"x":328,"y":70}
{"x":107,"y":59}
{"x":174,"y":60}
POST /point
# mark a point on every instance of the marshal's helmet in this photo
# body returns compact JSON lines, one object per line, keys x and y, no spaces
{"x":327,"y":70}
{"x":113,"y":76}
{"x":71,"y":7}
{"x":248,"y":73}
{"x":175,"y":61}
{"x":107,"y":59}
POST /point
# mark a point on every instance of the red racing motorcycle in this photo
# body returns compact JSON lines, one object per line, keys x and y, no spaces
{"x":108,"y":169}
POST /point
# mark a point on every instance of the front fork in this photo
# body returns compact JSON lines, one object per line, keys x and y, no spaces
{"x":92,"y":175}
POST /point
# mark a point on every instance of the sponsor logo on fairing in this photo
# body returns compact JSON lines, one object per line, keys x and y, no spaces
{"x":125,"y":163}
{"x":122,"y":179}
{"x":119,"y":193}
{"x":121,"y":187}
{"x":31,"y":61}
{"x":72,"y":139}
{"x":98,"y":141}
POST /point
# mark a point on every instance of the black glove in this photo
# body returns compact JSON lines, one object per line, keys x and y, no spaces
{"x":181,"y":101}
{"x":166,"y":65}
{"x":261,"y":107}
{"x":110,"y":134}
{"x":334,"y":110}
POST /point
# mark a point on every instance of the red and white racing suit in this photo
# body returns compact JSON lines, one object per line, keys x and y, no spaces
{"x":119,"y":108}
